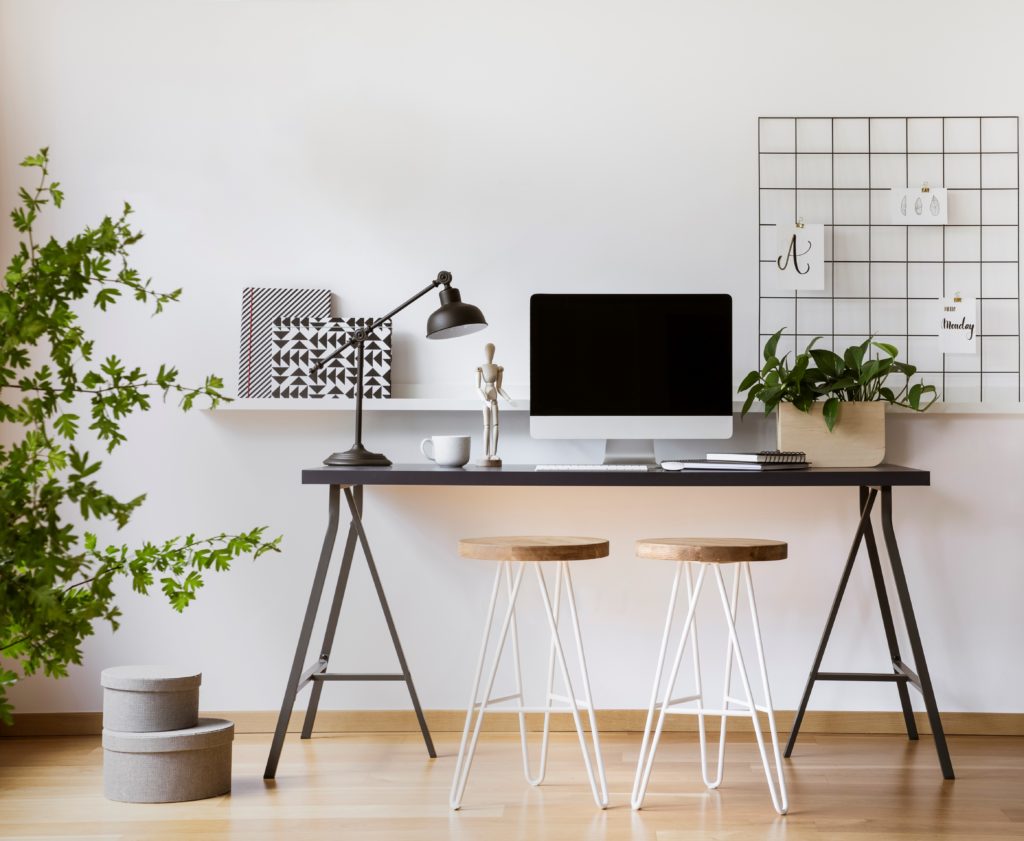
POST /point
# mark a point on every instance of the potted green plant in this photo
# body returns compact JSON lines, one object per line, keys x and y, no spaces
{"x":832,"y":407}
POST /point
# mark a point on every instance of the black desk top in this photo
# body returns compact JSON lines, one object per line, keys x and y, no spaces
{"x":526,"y":475}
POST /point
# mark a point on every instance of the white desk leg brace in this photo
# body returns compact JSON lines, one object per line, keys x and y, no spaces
{"x":649,"y":746}
{"x":467,"y":748}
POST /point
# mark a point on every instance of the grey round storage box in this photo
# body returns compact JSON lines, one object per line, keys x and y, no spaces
{"x":146,"y":699}
{"x":168,"y":767}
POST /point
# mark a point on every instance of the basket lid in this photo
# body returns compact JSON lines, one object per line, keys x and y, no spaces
{"x":150,"y":678}
{"x":208,"y":733}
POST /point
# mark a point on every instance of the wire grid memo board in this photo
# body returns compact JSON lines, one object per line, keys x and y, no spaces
{"x":884,"y":279}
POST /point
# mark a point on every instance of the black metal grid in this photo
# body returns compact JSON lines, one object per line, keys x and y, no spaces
{"x":959,"y":374}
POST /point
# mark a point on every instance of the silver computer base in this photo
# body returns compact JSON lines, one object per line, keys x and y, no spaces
{"x":629,"y":451}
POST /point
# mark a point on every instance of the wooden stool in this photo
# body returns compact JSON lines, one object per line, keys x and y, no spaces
{"x":711,"y":553}
{"x":519,"y":551}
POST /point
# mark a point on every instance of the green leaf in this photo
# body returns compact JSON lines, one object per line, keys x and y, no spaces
{"x":829,"y":363}
{"x":751,"y":397}
{"x":868,"y":372}
{"x":772,"y":344}
{"x":854,"y":356}
{"x":106,"y":296}
{"x":800,"y":368}
{"x":841,"y":384}
{"x":38,"y":160}
{"x":830,"y":411}
{"x":748,"y":381}
{"x":66,"y":425}
{"x":891,"y":350}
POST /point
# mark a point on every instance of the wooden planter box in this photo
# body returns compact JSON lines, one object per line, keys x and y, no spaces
{"x":858,"y":439}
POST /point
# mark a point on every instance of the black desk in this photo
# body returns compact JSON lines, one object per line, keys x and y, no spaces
{"x":871,"y":483}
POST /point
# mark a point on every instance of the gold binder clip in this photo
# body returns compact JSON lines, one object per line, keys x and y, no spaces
{"x":800,"y":222}
{"x":956,"y":297}
{"x":925,"y":188}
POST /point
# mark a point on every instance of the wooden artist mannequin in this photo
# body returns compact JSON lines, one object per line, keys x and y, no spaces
{"x":488,"y":383}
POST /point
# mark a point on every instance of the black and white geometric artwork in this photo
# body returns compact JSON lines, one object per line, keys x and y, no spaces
{"x":299,"y":343}
{"x":259,"y":309}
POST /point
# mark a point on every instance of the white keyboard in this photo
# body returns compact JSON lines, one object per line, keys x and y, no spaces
{"x":625,"y":468}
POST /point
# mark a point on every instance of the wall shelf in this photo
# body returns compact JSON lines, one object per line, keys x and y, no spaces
{"x":394,"y":404}
{"x":470,"y":404}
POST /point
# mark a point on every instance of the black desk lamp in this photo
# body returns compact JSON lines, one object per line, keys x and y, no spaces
{"x":453,"y":318}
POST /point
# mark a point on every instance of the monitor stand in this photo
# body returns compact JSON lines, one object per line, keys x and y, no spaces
{"x":629,"y":451}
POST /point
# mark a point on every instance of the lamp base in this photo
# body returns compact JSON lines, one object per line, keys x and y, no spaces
{"x":357,"y":456}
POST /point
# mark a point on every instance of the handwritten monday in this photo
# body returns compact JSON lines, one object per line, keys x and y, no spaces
{"x":962,"y":324}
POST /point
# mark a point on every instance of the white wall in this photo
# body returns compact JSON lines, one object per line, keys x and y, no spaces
{"x":526,"y":147}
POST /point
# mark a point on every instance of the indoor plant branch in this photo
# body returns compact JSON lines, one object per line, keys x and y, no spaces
{"x":56,"y":582}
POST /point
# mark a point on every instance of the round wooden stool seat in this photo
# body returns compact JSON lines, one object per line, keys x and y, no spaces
{"x":533,"y":548}
{"x":711,"y":550}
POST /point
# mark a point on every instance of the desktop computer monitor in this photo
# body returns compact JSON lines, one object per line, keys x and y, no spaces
{"x":631,"y":368}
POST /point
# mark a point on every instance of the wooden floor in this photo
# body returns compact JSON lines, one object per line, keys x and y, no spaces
{"x":374,"y":786}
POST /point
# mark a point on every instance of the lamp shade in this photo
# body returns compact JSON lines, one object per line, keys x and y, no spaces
{"x":454,"y":317}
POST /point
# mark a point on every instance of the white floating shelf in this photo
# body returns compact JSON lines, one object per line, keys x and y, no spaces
{"x":965,"y":409}
{"x":394,"y":404}
{"x":470,"y":404}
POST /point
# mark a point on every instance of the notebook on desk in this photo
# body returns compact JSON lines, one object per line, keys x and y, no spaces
{"x":709,"y":464}
{"x":762,"y":457}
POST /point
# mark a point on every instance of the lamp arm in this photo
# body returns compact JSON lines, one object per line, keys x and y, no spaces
{"x":443,"y":279}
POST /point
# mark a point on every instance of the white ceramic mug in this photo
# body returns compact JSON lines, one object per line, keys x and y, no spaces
{"x":448,"y":450}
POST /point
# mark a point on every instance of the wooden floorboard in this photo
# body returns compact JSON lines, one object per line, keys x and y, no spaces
{"x":498,"y":721}
{"x":383,"y":786}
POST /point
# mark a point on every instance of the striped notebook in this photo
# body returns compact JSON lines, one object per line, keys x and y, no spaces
{"x":259,"y":309}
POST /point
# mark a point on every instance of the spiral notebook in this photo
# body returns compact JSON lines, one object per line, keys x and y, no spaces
{"x":705,"y":464}
{"x":762,"y":457}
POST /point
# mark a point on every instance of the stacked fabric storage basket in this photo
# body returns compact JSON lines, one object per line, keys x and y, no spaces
{"x":156,"y":749}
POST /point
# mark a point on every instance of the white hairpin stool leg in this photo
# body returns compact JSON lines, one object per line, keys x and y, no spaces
{"x":636,"y":798}
{"x":782,"y":803}
{"x":517,"y":674}
{"x":466,"y":752}
{"x":746,"y":688}
{"x":698,"y":689}
{"x":646,"y":762}
{"x":600,"y":794}
{"x":726,"y":689}
{"x":549,"y":687}
{"x":595,"y":736}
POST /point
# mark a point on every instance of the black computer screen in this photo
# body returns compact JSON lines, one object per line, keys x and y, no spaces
{"x":630,"y":355}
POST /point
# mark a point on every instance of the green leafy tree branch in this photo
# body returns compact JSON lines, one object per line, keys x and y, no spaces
{"x":56,"y":582}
